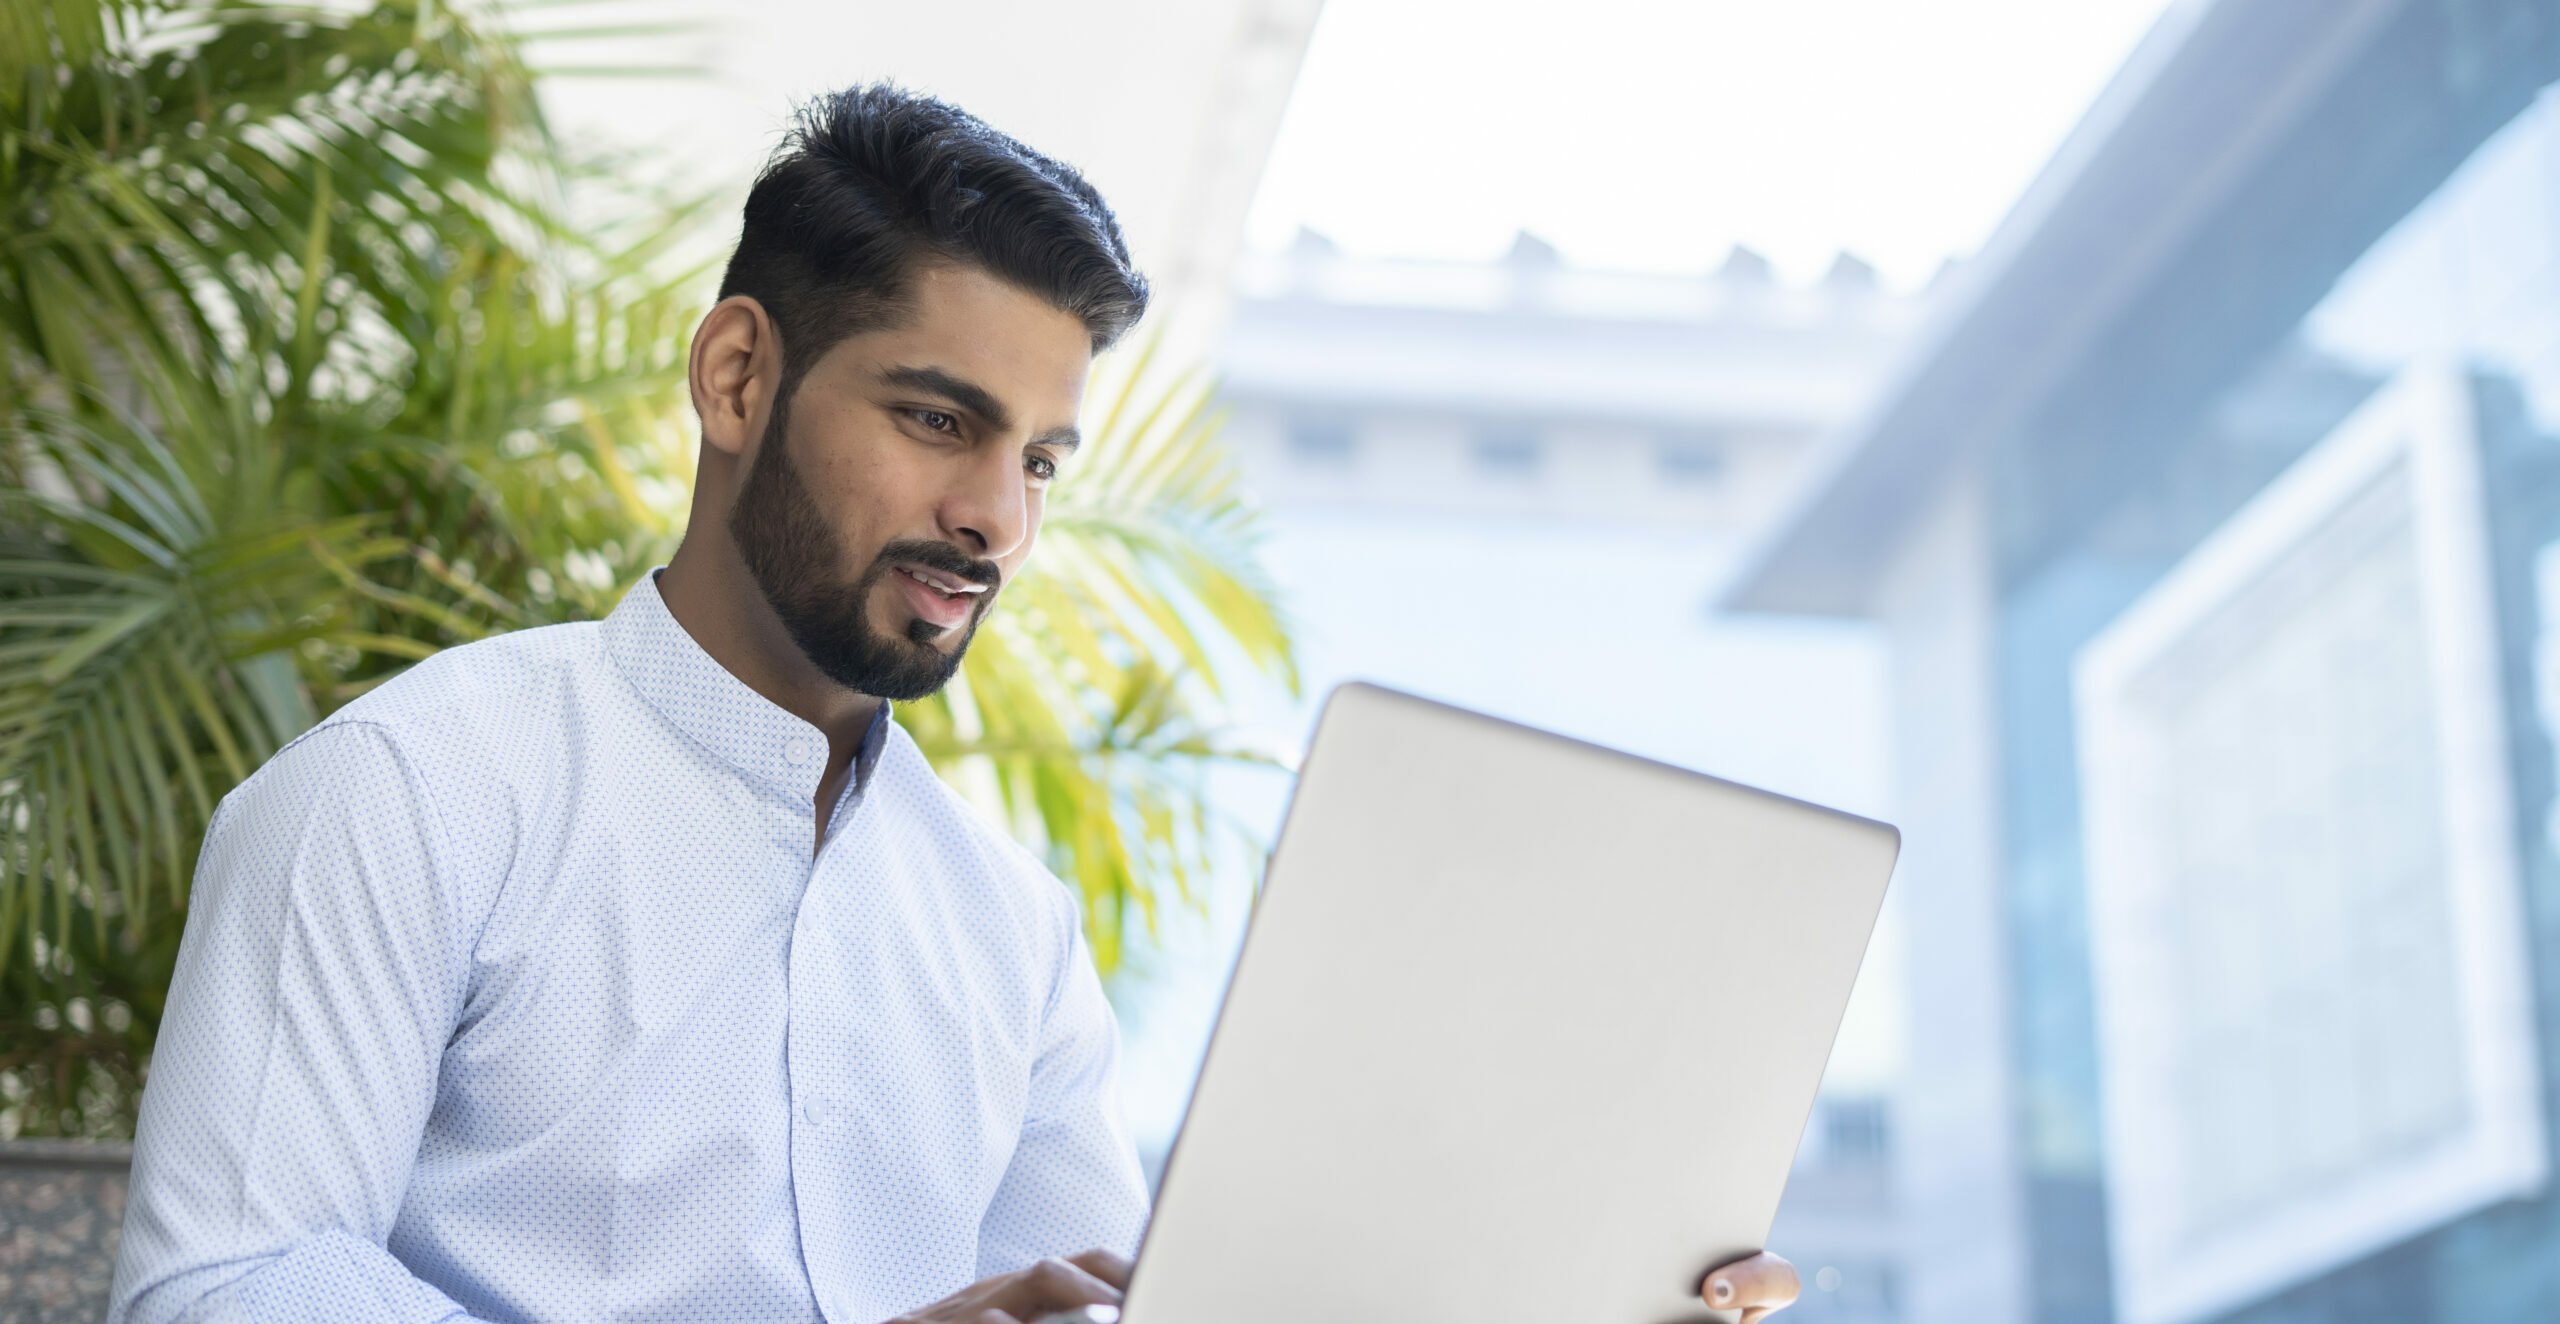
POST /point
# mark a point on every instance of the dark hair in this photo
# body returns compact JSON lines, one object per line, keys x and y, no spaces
{"x":873,"y":182}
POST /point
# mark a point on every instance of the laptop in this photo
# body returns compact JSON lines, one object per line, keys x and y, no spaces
{"x":1523,"y":1029}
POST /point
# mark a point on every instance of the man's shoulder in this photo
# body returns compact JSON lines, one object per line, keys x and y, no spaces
{"x":473,"y":715}
{"x":464,"y":738}
{"x":502,"y":688}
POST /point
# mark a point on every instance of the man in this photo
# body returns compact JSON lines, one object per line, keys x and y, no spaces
{"x":642,"y":969}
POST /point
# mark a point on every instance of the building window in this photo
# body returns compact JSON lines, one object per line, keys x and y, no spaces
{"x":2303,"y":898}
{"x":1509,"y":451}
{"x":1688,"y":459}
{"x":1853,"y":1131}
{"x":1323,"y":441}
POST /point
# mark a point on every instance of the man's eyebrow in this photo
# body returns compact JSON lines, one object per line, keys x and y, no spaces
{"x":977,"y":400}
{"x":958,"y":390}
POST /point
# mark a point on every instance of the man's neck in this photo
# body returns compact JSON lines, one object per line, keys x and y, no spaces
{"x":715,"y":599}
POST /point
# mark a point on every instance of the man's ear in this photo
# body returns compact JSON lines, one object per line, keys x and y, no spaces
{"x":735,"y":365}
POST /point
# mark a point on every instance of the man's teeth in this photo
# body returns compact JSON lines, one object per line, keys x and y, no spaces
{"x":938,"y":588}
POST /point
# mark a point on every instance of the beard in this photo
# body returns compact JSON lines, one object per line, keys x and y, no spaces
{"x":792,"y":553}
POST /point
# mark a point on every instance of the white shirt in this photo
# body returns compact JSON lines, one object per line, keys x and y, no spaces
{"x":511,"y":991}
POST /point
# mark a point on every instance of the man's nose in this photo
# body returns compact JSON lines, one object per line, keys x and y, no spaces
{"x":987,"y":512}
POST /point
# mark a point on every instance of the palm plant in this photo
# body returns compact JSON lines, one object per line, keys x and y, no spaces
{"x":305,"y":373}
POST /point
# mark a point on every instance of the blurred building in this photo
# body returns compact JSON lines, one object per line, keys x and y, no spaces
{"x":1495,"y":482}
{"x":1526,"y":389}
{"x":2215,"y":526}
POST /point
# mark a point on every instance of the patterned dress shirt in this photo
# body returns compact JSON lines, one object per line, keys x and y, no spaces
{"x":513,"y":991}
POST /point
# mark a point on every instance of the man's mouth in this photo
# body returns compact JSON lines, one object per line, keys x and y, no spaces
{"x":947,"y":584}
{"x":938,"y":596}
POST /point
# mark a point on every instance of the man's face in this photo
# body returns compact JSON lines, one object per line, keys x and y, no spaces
{"x":900,"y":487}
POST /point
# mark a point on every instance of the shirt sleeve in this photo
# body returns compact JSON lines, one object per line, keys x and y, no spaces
{"x":1074,"y":1183}
{"x":319,"y":975}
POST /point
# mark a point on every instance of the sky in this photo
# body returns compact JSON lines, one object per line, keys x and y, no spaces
{"x":1651,"y":135}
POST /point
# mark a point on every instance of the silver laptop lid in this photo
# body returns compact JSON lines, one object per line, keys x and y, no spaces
{"x":1523,"y":1030}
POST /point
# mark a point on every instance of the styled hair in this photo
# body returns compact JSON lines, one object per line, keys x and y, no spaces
{"x":873,"y":183}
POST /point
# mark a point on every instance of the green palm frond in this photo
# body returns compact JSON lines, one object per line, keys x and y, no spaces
{"x":304,"y":374}
{"x":148,"y":644}
{"x":229,"y":178}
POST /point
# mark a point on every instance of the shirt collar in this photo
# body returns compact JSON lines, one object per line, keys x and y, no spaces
{"x":764,"y":742}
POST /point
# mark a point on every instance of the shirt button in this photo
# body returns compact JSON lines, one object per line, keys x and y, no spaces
{"x":797,"y":751}
{"x":814,"y":1111}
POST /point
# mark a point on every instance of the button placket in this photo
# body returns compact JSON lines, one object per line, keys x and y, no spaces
{"x":817,"y":1157}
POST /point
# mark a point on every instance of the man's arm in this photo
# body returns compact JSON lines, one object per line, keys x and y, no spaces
{"x":319,"y":976}
{"x":1074,"y":1183}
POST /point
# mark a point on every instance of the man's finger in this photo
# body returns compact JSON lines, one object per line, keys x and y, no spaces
{"x":1755,"y":1284}
{"x":1105,"y":1265}
{"x":1050,"y":1286}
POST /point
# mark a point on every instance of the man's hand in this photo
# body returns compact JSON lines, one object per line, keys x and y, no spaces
{"x":1757,"y":1285}
{"x":1094,"y":1278}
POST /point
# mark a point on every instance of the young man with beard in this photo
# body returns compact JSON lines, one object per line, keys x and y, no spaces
{"x":642,"y":969}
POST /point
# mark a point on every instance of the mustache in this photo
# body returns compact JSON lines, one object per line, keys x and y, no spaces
{"x":941,"y":556}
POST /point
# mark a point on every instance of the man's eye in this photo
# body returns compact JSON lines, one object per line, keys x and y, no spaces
{"x":1042,"y":467}
{"x":935,"y":419}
